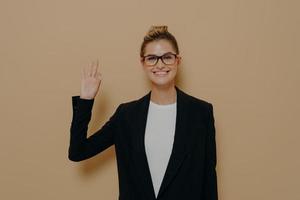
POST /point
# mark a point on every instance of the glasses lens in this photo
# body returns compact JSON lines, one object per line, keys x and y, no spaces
{"x":169,"y":59}
{"x":150,"y":60}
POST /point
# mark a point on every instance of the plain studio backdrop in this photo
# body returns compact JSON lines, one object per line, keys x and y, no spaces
{"x":240,"y":55}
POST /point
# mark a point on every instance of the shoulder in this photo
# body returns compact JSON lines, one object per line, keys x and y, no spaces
{"x":132,"y":104}
{"x":198,"y":108}
{"x":196,"y":102}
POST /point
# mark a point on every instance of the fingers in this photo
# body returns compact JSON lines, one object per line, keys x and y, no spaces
{"x":94,"y":68}
{"x":91,"y":71}
{"x":87,"y":71}
{"x":98,"y":74}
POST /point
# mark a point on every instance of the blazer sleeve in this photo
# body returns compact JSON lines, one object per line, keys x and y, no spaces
{"x":210,"y":182}
{"x":81,"y":147}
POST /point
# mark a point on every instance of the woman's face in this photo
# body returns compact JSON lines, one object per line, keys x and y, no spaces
{"x":161,"y":74}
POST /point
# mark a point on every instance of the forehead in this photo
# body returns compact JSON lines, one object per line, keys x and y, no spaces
{"x":159,"y":47}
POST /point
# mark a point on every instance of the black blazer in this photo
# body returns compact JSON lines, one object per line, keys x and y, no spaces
{"x":191,"y":171}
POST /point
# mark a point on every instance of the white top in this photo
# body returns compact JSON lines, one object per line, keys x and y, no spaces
{"x":159,"y":138}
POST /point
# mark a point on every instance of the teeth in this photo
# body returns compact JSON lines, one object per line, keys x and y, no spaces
{"x":160,"y":73}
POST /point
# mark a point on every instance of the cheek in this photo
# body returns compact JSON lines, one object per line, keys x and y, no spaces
{"x":146,"y":70}
{"x":174,"y":71}
{"x":149,"y":73}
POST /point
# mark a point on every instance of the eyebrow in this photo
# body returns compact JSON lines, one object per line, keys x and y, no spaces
{"x":157,"y":55}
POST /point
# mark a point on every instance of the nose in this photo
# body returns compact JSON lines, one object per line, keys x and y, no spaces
{"x":159,"y":63}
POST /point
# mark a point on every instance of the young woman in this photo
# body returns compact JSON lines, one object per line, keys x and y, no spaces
{"x":164,"y":141}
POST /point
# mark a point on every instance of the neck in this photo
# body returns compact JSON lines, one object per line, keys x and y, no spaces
{"x":163,"y":95}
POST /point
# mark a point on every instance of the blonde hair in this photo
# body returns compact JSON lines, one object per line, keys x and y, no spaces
{"x":156,"y":33}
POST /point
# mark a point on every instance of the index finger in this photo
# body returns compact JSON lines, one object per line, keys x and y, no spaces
{"x":97,"y":65}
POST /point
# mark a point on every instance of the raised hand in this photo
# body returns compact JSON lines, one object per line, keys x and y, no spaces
{"x":90,"y":81}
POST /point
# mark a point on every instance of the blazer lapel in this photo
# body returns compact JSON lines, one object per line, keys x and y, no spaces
{"x":179,"y":149}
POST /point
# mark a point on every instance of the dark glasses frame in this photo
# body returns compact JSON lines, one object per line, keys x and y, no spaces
{"x":160,"y":57}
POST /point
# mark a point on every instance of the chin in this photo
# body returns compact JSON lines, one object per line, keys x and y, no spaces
{"x":162,"y":82}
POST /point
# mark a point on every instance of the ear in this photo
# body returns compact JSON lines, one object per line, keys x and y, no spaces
{"x":141,"y":60}
{"x":179,"y":60}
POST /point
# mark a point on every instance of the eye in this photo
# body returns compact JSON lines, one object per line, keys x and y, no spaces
{"x":151,"y":58}
{"x":168,"y":56}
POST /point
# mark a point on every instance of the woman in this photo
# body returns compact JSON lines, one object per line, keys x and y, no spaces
{"x":164,"y":141}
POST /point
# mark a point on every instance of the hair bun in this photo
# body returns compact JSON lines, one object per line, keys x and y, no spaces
{"x":156,"y":33}
{"x":157,"y":30}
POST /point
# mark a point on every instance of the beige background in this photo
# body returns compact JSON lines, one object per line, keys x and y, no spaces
{"x":241,"y":55}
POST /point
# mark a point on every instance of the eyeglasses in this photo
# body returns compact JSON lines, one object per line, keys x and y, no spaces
{"x":167,"y":58}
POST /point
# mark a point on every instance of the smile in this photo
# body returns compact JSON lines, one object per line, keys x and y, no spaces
{"x":161,"y":73}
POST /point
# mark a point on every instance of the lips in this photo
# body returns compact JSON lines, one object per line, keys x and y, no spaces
{"x":161,"y":73}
